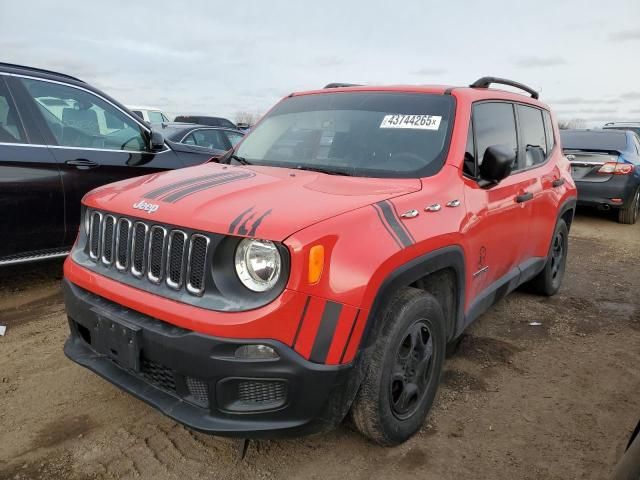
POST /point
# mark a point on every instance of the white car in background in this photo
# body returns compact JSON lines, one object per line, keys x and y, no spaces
{"x":149,"y":114}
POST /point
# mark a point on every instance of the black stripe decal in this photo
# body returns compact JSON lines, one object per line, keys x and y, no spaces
{"x":183,"y":183}
{"x":346,"y":345}
{"x":401,"y":223}
{"x":304,"y":312}
{"x":185,"y":192}
{"x":238,"y":219}
{"x":394,"y":223}
{"x":257,"y":223}
{"x":384,"y":224}
{"x":327,"y":328}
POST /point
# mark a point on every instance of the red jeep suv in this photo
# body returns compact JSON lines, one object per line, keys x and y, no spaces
{"x":326,"y":264}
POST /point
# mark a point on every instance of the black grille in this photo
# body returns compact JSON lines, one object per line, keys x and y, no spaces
{"x":158,"y":374}
{"x":153,"y":252}
{"x":156,"y":251}
{"x":107,"y":239}
{"x":94,"y":235}
{"x":123,"y":243}
{"x":175,"y":261}
{"x":262,"y":392}
{"x":197,"y":257}
{"x":198,"y":390}
{"x":137,"y":256}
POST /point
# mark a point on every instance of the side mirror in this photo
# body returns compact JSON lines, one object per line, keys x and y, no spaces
{"x":156,"y":141}
{"x":496,"y":165}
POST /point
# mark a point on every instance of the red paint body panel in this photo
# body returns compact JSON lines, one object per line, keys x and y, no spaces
{"x":346,"y":216}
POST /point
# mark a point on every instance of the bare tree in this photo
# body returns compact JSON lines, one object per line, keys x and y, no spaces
{"x":572,"y":123}
{"x":243,"y":116}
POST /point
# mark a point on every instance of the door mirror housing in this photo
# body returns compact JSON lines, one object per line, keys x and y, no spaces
{"x":156,"y":141}
{"x":496,"y":165}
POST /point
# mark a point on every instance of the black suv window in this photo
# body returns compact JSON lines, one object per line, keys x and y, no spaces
{"x":77,"y":118}
{"x":10,"y":128}
{"x":495,"y":124}
{"x":533,"y":135}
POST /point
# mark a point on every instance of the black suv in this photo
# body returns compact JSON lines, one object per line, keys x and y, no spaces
{"x":205,"y":120}
{"x":60,"y":138}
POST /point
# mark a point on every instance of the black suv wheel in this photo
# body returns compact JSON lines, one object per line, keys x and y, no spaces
{"x":403,"y":376}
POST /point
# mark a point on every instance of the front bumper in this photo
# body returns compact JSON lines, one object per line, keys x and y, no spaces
{"x":598,"y":194}
{"x":196,"y":379}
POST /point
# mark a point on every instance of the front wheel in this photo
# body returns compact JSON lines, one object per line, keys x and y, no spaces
{"x":549,"y":280}
{"x":629,"y":214}
{"x":404,"y":373}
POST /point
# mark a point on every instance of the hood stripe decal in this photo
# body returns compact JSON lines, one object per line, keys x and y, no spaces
{"x":389,"y":218}
{"x":237,"y":220}
{"x":189,"y":181}
{"x":185,"y":192}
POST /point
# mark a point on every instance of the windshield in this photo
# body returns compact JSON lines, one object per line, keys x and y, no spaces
{"x":373,"y":134}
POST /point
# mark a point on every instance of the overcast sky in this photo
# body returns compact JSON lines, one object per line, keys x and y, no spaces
{"x":219,"y":57}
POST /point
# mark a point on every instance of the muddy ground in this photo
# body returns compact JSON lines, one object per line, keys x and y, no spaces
{"x":554,"y":401}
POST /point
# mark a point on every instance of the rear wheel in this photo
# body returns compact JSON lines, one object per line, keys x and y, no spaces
{"x":403,"y":375}
{"x":629,"y":214}
{"x":549,"y":280}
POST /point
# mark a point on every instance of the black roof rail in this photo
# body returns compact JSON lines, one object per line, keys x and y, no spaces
{"x":340,"y":85}
{"x":40,"y":70}
{"x":485,"y":82}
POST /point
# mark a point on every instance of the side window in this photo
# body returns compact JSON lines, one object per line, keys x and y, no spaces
{"x":10,"y":128}
{"x":469,"y":166}
{"x":548,"y":128}
{"x":495,"y":124}
{"x":211,"y":139}
{"x":533,"y":135}
{"x":77,"y":118}
{"x":164,"y":117}
{"x":155,"y":117}
{"x":189,"y":140}
{"x":234,"y":137}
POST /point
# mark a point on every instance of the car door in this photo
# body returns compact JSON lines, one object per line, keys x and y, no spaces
{"x":546,"y":182}
{"x":94,"y":141}
{"x":31,"y":194}
{"x":496,"y":227}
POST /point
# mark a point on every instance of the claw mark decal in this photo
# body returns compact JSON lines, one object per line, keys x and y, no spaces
{"x":177,"y":191}
{"x":391,"y":221}
{"x":241,"y":222}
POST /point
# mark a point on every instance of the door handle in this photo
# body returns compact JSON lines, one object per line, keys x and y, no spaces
{"x":557,"y":182}
{"x":525,"y":197}
{"x":82,"y":163}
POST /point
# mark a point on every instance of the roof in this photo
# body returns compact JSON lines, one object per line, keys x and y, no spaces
{"x":479,"y":90}
{"x":36,"y":71}
{"x":139,"y":107}
{"x":467,"y":93}
{"x":174,"y":131}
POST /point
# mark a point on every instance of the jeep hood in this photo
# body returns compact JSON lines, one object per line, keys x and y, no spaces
{"x":265,"y":202}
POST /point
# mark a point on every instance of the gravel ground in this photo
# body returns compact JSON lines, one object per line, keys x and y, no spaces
{"x":553,"y":401}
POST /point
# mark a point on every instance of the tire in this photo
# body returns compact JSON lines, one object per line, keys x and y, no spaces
{"x":549,"y":280}
{"x":629,"y":214}
{"x":404,"y":371}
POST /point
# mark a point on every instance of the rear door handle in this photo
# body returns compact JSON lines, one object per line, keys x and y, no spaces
{"x":525,"y":197}
{"x":557,"y":182}
{"x":82,"y":163}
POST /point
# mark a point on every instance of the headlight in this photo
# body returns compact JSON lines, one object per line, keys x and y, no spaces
{"x":258,"y":264}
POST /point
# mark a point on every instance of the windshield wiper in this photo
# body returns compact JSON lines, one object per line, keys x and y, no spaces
{"x":322,"y":170}
{"x":240,"y":160}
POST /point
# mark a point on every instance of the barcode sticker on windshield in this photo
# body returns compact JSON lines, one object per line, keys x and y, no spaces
{"x":421,"y":122}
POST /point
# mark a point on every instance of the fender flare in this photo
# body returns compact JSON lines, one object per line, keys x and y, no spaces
{"x":406,"y":274}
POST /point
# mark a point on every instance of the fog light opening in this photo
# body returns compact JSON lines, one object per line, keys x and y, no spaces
{"x":256,"y":352}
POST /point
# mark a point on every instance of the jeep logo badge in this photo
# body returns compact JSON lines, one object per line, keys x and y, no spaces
{"x":147,"y":207}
